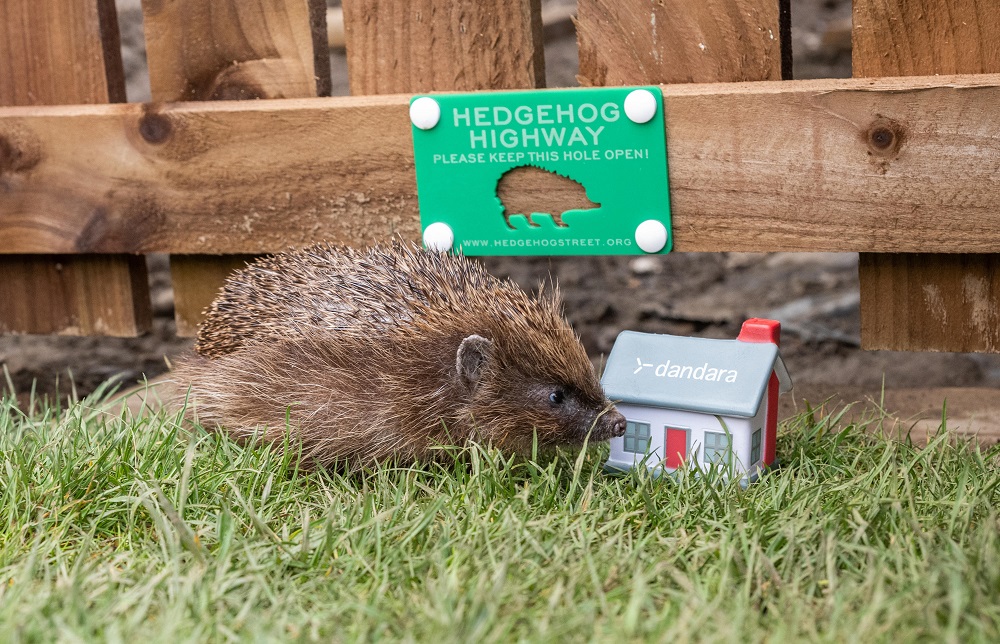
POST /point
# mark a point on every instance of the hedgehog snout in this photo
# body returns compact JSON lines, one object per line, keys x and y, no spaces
{"x":617,"y":422}
{"x":609,"y":424}
{"x":619,"y":427}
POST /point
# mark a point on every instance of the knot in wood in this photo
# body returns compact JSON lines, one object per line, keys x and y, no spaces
{"x":8,"y":155}
{"x":125,"y":228}
{"x":884,"y":137}
{"x":15,"y":157}
{"x":154,"y":128}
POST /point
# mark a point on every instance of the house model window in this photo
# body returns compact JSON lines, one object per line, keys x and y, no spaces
{"x":755,"y":446}
{"x":697,"y":400}
{"x":716,"y":447}
{"x":636,"y":437}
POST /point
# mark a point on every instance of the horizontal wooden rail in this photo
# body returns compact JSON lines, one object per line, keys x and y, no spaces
{"x":907,"y":164}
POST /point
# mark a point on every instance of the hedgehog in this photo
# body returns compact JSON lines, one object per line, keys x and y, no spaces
{"x":389,"y":353}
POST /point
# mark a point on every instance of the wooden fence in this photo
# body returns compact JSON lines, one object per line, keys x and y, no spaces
{"x":900,"y":164}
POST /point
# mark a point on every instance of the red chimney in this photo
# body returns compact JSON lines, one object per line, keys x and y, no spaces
{"x":760,"y":330}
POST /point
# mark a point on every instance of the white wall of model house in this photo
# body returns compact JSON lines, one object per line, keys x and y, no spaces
{"x":737,"y":432}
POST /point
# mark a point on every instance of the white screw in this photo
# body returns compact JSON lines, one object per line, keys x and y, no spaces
{"x":651,"y":236}
{"x":640,"y":105}
{"x":439,"y":236}
{"x":425,"y":112}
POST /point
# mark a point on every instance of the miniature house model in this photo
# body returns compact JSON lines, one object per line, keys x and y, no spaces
{"x":697,"y":400}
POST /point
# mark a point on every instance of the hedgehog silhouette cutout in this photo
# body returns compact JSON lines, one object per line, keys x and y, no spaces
{"x":529,"y":190}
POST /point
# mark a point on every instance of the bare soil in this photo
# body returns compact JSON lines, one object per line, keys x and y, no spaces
{"x":815,"y":295}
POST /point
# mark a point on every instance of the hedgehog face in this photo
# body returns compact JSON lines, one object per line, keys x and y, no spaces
{"x":509,"y":406}
{"x":570,"y":415}
{"x":512,"y":412}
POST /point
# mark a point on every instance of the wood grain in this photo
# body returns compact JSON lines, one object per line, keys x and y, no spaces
{"x":225,"y":50}
{"x":632,"y":42}
{"x":869,"y":165}
{"x":61,"y":294}
{"x":920,"y":302}
{"x":924,"y":37}
{"x":37,"y":39}
{"x":400,"y":46}
{"x":236,"y":49}
{"x":929,"y":301}
{"x":526,"y":190}
{"x":87,"y":295}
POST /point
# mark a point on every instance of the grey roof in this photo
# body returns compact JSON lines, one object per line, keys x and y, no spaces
{"x":649,"y":369}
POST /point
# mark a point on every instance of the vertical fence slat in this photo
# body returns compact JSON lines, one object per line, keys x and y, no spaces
{"x":230,"y":49}
{"x":911,"y":301}
{"x":401,"y":46}
{"x":630,"y":42}
{"x":61,"y":52}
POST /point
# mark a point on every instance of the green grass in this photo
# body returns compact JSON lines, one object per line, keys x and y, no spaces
{"x":128,"y":528}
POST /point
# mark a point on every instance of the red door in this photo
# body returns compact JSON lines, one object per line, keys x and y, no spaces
{"x":677,"y":447}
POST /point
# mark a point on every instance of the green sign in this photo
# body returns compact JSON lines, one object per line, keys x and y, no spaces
{"x":546,"y":172}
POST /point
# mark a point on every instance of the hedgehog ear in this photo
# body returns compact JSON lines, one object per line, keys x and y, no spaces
{"x":471,"y":359}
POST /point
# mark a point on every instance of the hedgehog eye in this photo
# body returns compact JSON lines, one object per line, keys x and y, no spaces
{"x":557,"y":397}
